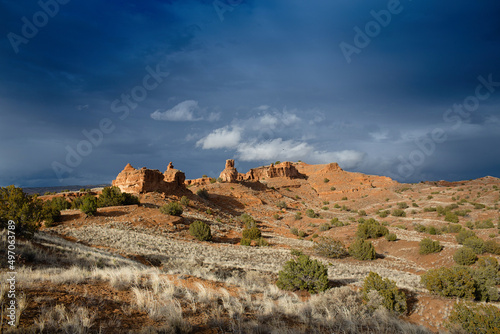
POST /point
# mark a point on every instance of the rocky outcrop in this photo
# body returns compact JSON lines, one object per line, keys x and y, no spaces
{"x":174,"y":175}
{"x":230,"y":174}
{"x":144,"y":180}
{"x":285,"y":169}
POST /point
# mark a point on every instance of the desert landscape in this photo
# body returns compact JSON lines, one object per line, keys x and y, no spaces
{"x":288,"y":247}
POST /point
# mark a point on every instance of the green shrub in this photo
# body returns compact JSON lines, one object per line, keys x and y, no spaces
{"x":462,"y":213}
{"x":465,"y":256}
{"x":281,"y":205}
{"x":333,"y":188}
{"x":451,"y":217}
{"x":248,"y":220}
{"x":276,"y":216}
{"x":302,"y":234}
{"x":335,"y":222}
{"x":486,"y":277}
{"x":200,"y":231}
{"x":311,"y":214}
{"x":51,"y":210}
{"x":296,"y":252}
{"x":294,"y":231}
{"x":428,"y":246}
{"x":23,"y":209}
{"x":488,"y":223}
{"x":474,"y":318}
{"x":89,"y":205}
{"x":464,"y":234}
{"x":391,"y":237}
{"x":324,"y":227}
{"x":362,"y":250}
{"x":113,"y":196}
{"x":478,"y":206}
{"x":383,"y":214}
{"x":371,"y":229}
{"x":252,"y":233}
{"x":203,"y":193}
{"x":185,"y":201}
{"x":362,"y":212}
{"x":492,"y":247}
{"x":325,"y":180}
{"x":402,"y":205}
{"x":393,"y":298}
{"x":298,"y":216}
{"x":331,"y":248}
{"x":303,"y":274}
{"x":456,"y":281}
{"x":59,"y":203}
{"x":488,"y":261}
{"x":454,"y":228}
{"x":50,"y":213}
{"x":245,"y":242}
{"x":476,"y":244}
{"x":398,"y":213}
{"x":172,"y":208}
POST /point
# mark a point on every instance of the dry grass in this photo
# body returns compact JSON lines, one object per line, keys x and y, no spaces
{"x":59,"y":319}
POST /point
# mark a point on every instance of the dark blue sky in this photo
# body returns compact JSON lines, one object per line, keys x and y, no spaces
{"x":407,"y":89}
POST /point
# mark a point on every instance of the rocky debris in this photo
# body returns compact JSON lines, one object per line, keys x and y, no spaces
{"x":145,"y":180}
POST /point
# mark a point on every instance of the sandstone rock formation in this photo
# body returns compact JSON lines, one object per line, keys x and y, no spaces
{"x":230,"y":174}
{"x":285,"y":169}
{"x":144,"y":180}
{"x":174,"y":175}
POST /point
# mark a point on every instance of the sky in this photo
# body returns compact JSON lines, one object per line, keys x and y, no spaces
{"x":406,"y":89}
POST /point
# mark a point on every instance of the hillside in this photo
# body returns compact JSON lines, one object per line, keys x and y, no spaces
{"x":133,"y":268}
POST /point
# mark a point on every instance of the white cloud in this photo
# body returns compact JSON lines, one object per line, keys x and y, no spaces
{"x":380,"y":135}
{"x":248,"y":138}
{"x":213,"y":116}
{"x":279,"y":149}
{"x":345,"y":158}
{"x":273,"y":149}
{"x":182,"y":112}
{"x":221,"y":138}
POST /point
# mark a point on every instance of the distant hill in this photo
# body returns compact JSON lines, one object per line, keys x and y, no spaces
{"x":43,"y":190}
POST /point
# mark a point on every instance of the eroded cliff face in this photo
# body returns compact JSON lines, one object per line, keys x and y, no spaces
{"x":285,"y":169}
{"x":326,"y":179}
{"x":145,"y":180}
